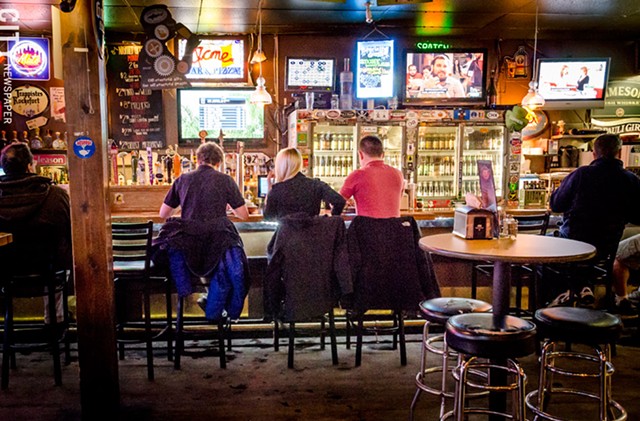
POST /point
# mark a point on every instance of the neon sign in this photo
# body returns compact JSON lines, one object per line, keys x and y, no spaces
{"x":217,"y":59}
{"x":432,"y":45}
{"x":29,"y":59}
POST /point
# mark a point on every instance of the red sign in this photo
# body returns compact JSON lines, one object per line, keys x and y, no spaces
{"x":50,"y":160}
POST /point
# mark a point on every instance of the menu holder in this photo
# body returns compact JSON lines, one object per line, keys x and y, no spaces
{"x":473,"y":223}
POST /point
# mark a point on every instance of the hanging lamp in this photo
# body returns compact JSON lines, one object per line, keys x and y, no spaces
{"x":533,"y":100}
{"x":260,"y":95}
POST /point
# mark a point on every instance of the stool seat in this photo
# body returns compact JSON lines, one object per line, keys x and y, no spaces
{"x":439,"y":310}
{"x":579,"y":325}
{"x":474,"y":334}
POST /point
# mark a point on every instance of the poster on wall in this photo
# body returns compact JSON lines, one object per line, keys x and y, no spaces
{"x":374,"y":69}
{"x":135,"y":113}
{"x":58,"y":106}
{"x":29,"y":59}
{"x":218,"y":59}
{"x":29,"y":100}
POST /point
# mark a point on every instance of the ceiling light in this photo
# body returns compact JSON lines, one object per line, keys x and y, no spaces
{"x":260,"y":95}
{"x":368,"y":16}
{"x":258,"y":55}
{"x":533,"y":100}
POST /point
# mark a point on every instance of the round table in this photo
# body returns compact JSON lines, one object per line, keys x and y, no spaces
{"x":525,"y":248}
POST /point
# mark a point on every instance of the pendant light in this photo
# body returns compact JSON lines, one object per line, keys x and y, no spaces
{"x":260,"y":95}
{"x":258,"y":55}
{"x":533,"y":100}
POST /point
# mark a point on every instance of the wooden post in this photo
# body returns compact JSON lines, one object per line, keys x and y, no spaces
{"x":85,"y":96}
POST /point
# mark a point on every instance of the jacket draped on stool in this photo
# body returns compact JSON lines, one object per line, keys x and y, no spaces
{"x":309,"y":267}
{"x":214,"y":250}
{"x":390,"y":271}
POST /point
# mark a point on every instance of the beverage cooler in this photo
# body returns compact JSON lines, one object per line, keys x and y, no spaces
{"x":328,"y":140}
{"x":443,"y":147}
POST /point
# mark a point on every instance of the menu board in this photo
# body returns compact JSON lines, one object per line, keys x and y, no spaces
{"x":374,"y":69}
{"x":135,"y":114}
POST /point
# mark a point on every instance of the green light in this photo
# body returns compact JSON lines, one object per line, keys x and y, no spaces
{"x":432,"y":45}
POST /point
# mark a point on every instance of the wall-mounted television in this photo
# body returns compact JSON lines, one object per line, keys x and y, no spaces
{"x":374,"y":69}
{"x":215,"y":109}
{"x":573,"y":83}
{"x":310,"y":74}
{"x":219,"y":59}
{"x":445,"y":77}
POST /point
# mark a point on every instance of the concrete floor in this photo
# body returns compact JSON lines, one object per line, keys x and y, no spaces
{"x":258,"y":386}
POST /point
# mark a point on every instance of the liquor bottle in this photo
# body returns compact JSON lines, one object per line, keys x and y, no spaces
{"x":47,"y":140}
{"x":3,"y":139}
{"x":492,"y":92}
{"x":36,"y":140}
{"x":346,"y":86}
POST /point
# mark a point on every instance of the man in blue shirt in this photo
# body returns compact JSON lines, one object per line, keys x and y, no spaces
{"x":598,"y":200}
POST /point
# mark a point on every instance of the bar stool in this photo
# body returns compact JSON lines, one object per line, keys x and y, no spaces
{"x":593,"y":328}
{"x":473,"y":337}
{"x":438,"y":311}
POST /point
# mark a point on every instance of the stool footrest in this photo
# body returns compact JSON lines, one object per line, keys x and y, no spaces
{"x":531,"y":400}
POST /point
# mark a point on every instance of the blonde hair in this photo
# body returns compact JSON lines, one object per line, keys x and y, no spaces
{"x":288,"y":164}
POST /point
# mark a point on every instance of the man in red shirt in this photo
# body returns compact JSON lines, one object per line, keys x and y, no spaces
{"x":375,"y":186}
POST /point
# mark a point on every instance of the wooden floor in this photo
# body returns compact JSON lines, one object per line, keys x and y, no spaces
{"x":258,"y":386}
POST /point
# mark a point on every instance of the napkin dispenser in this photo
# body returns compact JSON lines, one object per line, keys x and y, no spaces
{"x":473,"y":223}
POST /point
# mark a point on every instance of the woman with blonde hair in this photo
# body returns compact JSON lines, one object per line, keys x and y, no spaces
{"x":293,"y":192}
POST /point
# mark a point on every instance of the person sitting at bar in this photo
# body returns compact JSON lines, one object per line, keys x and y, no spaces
{"x":627,"y":259}
{"x":597,"y":200}
{"x":38,"y":215}
{"x":204,"y":243}
{"x":293,"y":192}
{"x":376,"y":187}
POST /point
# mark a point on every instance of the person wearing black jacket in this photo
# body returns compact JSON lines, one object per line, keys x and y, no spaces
{"x":37,"y":213}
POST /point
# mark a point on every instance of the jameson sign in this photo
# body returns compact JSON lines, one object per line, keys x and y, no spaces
{"x":622,"y":99}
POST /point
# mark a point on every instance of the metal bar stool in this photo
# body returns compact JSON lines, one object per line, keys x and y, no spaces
{"x":596,"y":329}
{"x":438,"y":311}
{"x":473,"y":336}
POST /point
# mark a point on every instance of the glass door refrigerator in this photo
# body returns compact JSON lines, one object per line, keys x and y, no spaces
{"x":391,"y":133}
{"x":443,"y":147}
{"x":328,"y":143}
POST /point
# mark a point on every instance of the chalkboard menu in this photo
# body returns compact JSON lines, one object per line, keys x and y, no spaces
{"x":135,"y":114}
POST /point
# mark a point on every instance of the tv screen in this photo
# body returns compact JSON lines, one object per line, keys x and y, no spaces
{"x":374,"y":69}
{"x":573,"y":83}
{"x":310,"y":74}
{"x":217,"y":59}
{"x":442,"y":77}
{"x":213,"y":109}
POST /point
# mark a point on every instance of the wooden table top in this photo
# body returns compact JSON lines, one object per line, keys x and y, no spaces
{"x":526,"y":248}
{"x":5,"y":238}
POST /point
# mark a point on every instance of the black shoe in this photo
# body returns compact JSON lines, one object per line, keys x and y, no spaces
{"x":625,"y":308}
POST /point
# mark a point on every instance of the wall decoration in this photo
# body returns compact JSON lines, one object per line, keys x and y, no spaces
{"x":58,"y":106}
{"x":29,"y":100}
{"x":29,"y":59}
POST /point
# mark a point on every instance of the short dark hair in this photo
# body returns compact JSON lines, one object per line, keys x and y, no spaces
{"x":607,"y":145}
{"x":15,"y":159}
{"x":209,"y":153}
{"x":371,"y":146}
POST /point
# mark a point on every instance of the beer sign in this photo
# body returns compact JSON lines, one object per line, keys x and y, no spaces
{"x":29,"y":59}
{"x":220,"y":59}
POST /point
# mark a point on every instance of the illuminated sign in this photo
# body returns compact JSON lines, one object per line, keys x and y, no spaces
{"x":432,"y":45}
{"x":29,"y":59}
{"x":217,"y":59}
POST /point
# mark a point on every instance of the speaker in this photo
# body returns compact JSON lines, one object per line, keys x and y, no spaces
{"x":67,"y":6}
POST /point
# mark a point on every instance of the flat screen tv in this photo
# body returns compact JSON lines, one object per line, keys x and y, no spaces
{"x":374,"y":69}
{"x":310,"y":74}
{"x":445,"y":77}
{"x":573,"y":83}
{"x":214,"y":109}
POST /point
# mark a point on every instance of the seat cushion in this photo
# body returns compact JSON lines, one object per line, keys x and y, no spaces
{"x":474,"y":334}
{"x":438,"y":310}
{"x":578,"y":325}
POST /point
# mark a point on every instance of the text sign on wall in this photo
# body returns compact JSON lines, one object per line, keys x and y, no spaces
{"x":217,"y":59}
{"x":135,"y":113}
{"x":29,"y":59}
{"x":622,"y":99}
